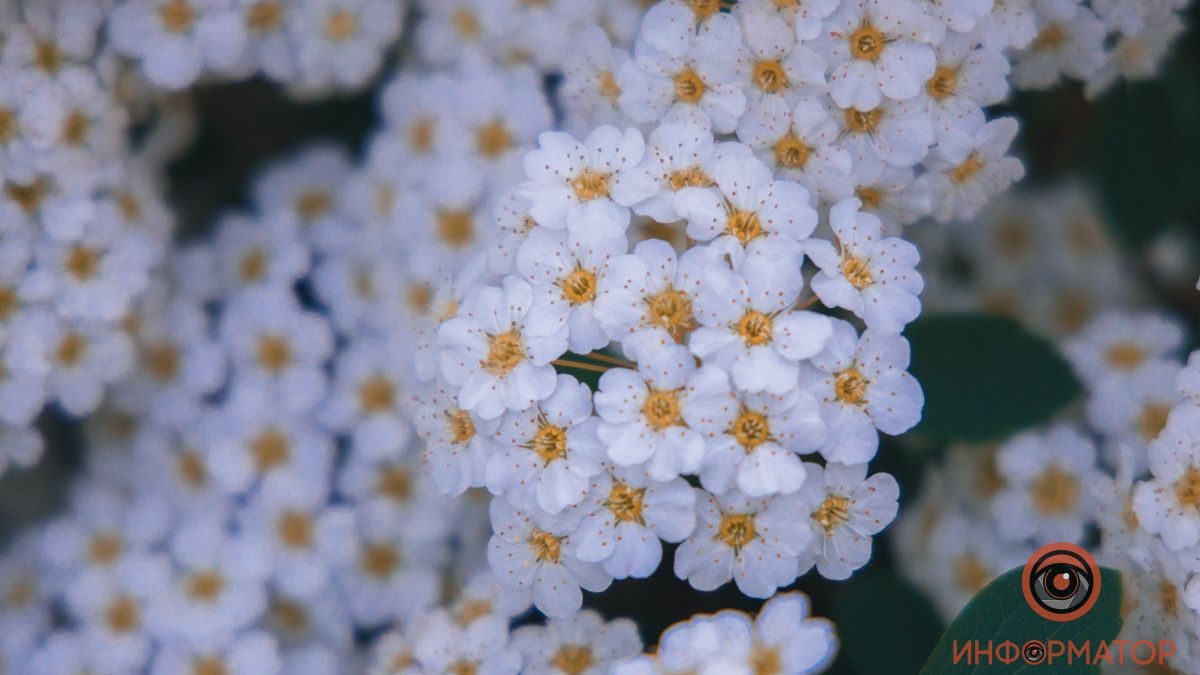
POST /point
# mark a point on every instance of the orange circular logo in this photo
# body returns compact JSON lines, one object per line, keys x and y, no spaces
{"x":1061,"y":582}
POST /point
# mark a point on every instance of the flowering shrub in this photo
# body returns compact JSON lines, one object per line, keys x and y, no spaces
{"x":608,"y":276}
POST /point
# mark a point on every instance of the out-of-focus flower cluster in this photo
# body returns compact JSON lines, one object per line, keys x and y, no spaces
{"x":565,"y":282}
{"x":1118,"y":473}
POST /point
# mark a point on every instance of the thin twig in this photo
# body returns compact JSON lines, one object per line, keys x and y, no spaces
{"x":808,"y":303}
{"x":605,"y":358}
{"x":580,"y":365}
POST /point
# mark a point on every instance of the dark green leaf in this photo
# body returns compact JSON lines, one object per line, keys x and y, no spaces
{"x":1000,"y":613}
{"x":985,"y":377}
{"x":885,"y":626}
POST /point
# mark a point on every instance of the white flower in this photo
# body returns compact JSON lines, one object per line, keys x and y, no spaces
{"x":775,"y":70}
{"x":875,"y":49}
{"x":458,"y":444}
{"x":304,"y":536}
{"x":747,"y":210}
{"x":800,"y":145}
{"x":565,"y":174}
{"x":897,"y":134}
{"x":258,"y":252}
{"x":391,"y":575}
{"x":755,"y":542}
{"x":660,"y":414}
{"x":547,"y":453}
{"x":749,"y":329}
{"x":580,"y":643}
{"x":497,"y":354}
{"x":445,"y":219}
{"x":1119,"y":345}
{"x":872,"y":276}
{"x":441,"y":645}
{"x":690,"y":80}
{"x":625,"y":513}
{"x":177,"y":39}
{"x":670,"y":25}
{"x":179,"y":360}
{"x":341,"y":43}
{"x":847,"y":508}
{"x":1072,"y":46}
{"x":862,"y":385}
{"x":590,"y":91}
{"x":537,"y":551}
{"x":112,"y":608}
{"x":967,"y":78}
{"x":83,"y":358}
{"x":277,"y":347}
{"x":566,"y":270}
{"x":368,"y":398}
{"x":678,"y":156}
{"x":1010,"y":24}
{"x":513,"y":224}
{"x":646,"y":299}
{"x":1047,"y":495}
{"x":758,"y":451}
{"x":1168,"y":504}
{"x":92,"y":278}
{"x":252,"y":653}
{"x":1134,"y":410}
{"x":893,"y":195}
{"x":1137,"y":56}
{"x":967,"y":169}
{"x":804,"y":16}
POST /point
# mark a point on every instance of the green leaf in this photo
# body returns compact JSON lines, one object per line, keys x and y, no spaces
{"x":985,"y":377}
{"x":1144,"y":155}
{"x":999,"y":613}
{"x":885,"y":626}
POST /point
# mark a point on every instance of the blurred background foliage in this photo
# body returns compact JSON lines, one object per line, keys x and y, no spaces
{"x":984,"y":377}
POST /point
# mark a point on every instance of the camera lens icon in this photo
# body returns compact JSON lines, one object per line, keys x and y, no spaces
{"x":1061,"y":582}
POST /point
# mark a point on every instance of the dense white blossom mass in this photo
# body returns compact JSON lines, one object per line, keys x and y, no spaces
{"x":575,"y":301}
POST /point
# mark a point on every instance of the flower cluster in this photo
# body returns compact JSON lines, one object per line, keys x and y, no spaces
{"x":1123,"y":466}
{"x":606,"y":276}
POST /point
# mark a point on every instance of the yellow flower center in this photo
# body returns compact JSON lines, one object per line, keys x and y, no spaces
{"x":177,"y":16}
{"x":421,"y":135}
{"x":274,"y":352}
{"x":289,"y":616}
{"x":689,"y":88}
{"x":671,"y":310}
{"x":468,"y":612}
{"x":849,"y":386}
{"x":28,"y":196}
{"x":863,"y":122}
{"x":573,"y":659}
{"x":505,"y":352}
{"x":253,"y":266}
{"x":579,"y":286}
{"x":493,"y":139}
{"x":662,"y":408}
{"x":791,"y":152}
{"x":264,"y":17}
{"x":123,"y":615}
{"x":867,"y":43}
{"x":766,"y":660}
{"x":744,"y":225}
{"x":736,"y":530}
{"x":456,"y":227}
{"x":341,"y":26}
{"x":1055,"y":491}
{"x":462,"y":429}
{"x":71,"y":349}
{"x":607,"y":84}
{"x":75,"y":128}
{"x":705,"y":8}
{"x":191,"y":468}
{"x":465,"y":23}
{"x":870,"y":196}
{"x":692,"y":176}
{"x":589,"y":185}
{"x":751,"y":429}
{"x":1125,"y":356}
{"x":754,"y":327}
{"x":162,"y":361}
{"x":377,"y":394}
{"x":1151,"y":420}
{"x":857,"y":271}
{"x":1187,"y":488}
{"x":296,"y":530}
{"x":8,"y":124}
{"x":549,"y":442}
{"x":943,"y":83}
{"x":83,"y":262}
{"x":969,"y":573}
{"x":770,"y":76}
{"x":270,"y":450}
{"x":205,"y":586}
{"x":379,"y":559}
{"x":105,"y":548}
{"x":1050,"y":38}
{"x":832,"y":513}
{"x":546,"y":547}
{"x":48,"y":57}
{"x":395,"y":482}
{"x":966,"y":170}
{"x":626,"y":502}
{"x":10,"y":301}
